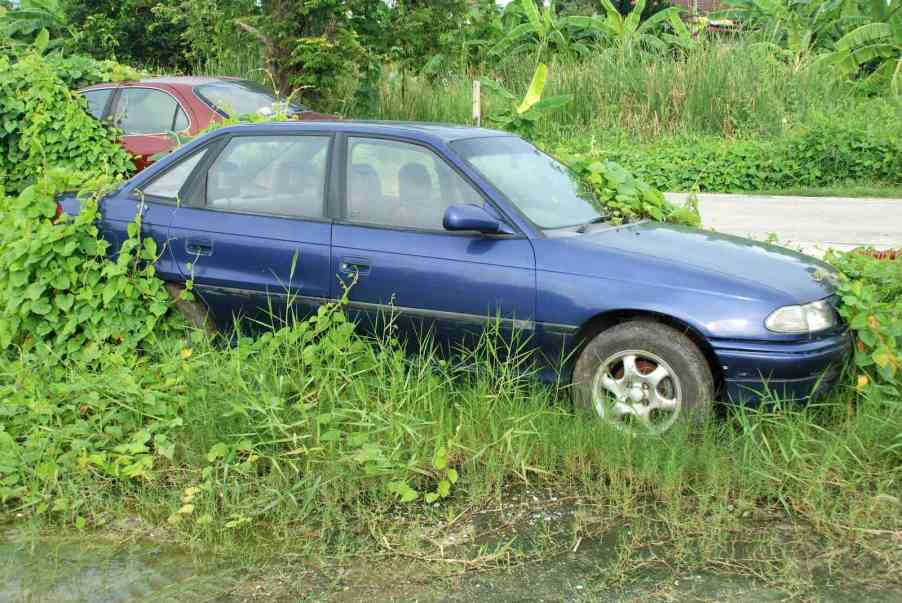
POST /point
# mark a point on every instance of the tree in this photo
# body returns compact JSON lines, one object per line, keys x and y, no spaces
{"x":130,"y":30}
{"x":307,"y":45}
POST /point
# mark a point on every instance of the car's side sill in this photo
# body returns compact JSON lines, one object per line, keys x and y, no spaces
{"x":391,"y":310}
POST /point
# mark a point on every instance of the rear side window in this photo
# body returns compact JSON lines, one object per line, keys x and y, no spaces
{"x":270,"y":175}
{"x":171,"y":182}
{"x":147,"y":111}
{"x":97,"y":100}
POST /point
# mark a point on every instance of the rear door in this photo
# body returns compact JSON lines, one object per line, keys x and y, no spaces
{"x":391,"y":249}
{"x":253,"y":232}
{"x":148,"y":117}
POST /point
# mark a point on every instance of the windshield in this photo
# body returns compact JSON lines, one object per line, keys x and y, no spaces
{"x":549,"y":193}
{"x":241,"y":97}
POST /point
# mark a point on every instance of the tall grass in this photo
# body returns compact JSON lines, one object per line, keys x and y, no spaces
{"x":726,"y":88}
{"x":305,"y":435}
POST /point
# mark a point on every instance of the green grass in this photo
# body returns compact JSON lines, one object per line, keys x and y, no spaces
{"x":299,"y":440}
{"x":729,"y":89}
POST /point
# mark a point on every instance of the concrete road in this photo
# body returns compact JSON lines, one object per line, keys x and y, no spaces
{"x":812,"y":224}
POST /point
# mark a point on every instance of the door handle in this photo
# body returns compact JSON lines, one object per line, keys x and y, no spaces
{"x":355,"y":265}
{"x":199,"y":246}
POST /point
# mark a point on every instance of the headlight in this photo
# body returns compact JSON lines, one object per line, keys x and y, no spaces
{"x":810,"y":318}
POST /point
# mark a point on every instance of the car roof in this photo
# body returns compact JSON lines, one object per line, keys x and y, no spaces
{"x":174,"y":80}
{"x":412,"y":129}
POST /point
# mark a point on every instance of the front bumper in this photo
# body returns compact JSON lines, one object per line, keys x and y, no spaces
{"x":754,"y":371}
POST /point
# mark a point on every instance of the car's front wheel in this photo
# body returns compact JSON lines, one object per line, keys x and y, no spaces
{"x":642,"y":377}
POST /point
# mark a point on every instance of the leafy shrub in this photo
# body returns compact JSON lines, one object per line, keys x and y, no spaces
{"x":871,"y":295}
{"x":78,"y":71}
{"x":824,"y":153}
{"x":625,"y":197}
{"x":59,"y":293}
{"x":43,"y":124}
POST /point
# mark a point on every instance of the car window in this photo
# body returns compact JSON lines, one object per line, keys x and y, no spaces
{"x":240,"y":97}
{"x":97,"y":100}
{"x":400,"y":184}
{"x":171,"y":182}
{"x":271,"y":175}
{"x":181,"y":120}
{"x":146,"y":111}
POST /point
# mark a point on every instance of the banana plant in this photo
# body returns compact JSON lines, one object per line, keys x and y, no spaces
{"x":544,"y":30}
{"x":874,"y":47}
{"x":520,"y":115}
{"x":22,"y":25}
{"x":630,"y":32}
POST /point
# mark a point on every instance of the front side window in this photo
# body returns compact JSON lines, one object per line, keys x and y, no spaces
{"x":171,"y":182}
{"x":270,"y":175}
{"x":401,"y":184}
{"x":148,"y":111}
{"x":546,"y":191}
{"x":97,"y":100}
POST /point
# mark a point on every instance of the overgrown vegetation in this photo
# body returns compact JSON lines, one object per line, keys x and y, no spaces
{"x":46,"y":125}
{"x":322,"y":441}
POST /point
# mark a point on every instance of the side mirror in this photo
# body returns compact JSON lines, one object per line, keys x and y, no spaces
{"x":472,"y":217}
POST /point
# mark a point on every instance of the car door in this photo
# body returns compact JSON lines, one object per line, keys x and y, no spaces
{"x":399,"y":263}
{"x":157,"y":201}
{"x":253,"y":233}
{"x":147,"y":118}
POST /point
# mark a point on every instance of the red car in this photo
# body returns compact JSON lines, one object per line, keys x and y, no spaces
{"x":149,"y":111}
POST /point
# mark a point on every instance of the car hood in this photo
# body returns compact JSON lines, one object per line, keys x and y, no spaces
{"x":798,"y":276}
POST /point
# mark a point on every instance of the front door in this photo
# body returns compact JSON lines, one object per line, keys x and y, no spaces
{"x":253,"y":235}
{"x":391,"y":250}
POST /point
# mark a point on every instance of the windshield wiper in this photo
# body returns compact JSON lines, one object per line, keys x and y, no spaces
{"x":582,"y":229}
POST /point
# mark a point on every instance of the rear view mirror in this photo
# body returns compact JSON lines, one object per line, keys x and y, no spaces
{"x":472,"y":217}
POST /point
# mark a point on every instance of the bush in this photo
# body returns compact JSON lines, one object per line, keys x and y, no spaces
{"x":623,"y":196}
{"x":825,"y":153}
{"x":43,"y":124}
{"x":871,"y":294}
{"x":59,"y":294}
{"x":78,"y":71}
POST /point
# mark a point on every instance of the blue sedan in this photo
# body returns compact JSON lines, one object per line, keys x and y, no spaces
{"x":450,"y":228}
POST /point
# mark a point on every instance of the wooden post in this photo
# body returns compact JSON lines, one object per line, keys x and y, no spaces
{"x":477,"y":103}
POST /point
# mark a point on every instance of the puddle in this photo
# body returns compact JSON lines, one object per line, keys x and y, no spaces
{"x":70,"y":571}
{"x":86,"y":568}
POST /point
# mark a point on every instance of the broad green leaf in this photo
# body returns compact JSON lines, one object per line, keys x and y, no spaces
{"x":536,"y":87}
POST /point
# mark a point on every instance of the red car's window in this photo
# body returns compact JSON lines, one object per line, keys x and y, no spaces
{"x":97,"y":100}
{"x":147,"y":111}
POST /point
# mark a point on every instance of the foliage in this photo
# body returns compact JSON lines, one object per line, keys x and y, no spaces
{"x":60,"y":295}
{"x":631,"y":32}
{"x":623,"y":196}
{"x":207,"y":28}
{"x":521,"y":117}
{"x":542,"y":31}
{"x":43,"y":124}
{"x":729,"y":90}
{"x":875,"y":48}
{"x":871,"y":294}
{"x":824,"y":153}
{"x":77,"y":71}
{"x":132,"y":31}
{"x":23,"y":24}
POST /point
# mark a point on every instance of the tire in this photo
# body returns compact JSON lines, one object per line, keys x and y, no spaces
{"x":635,"y":395}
